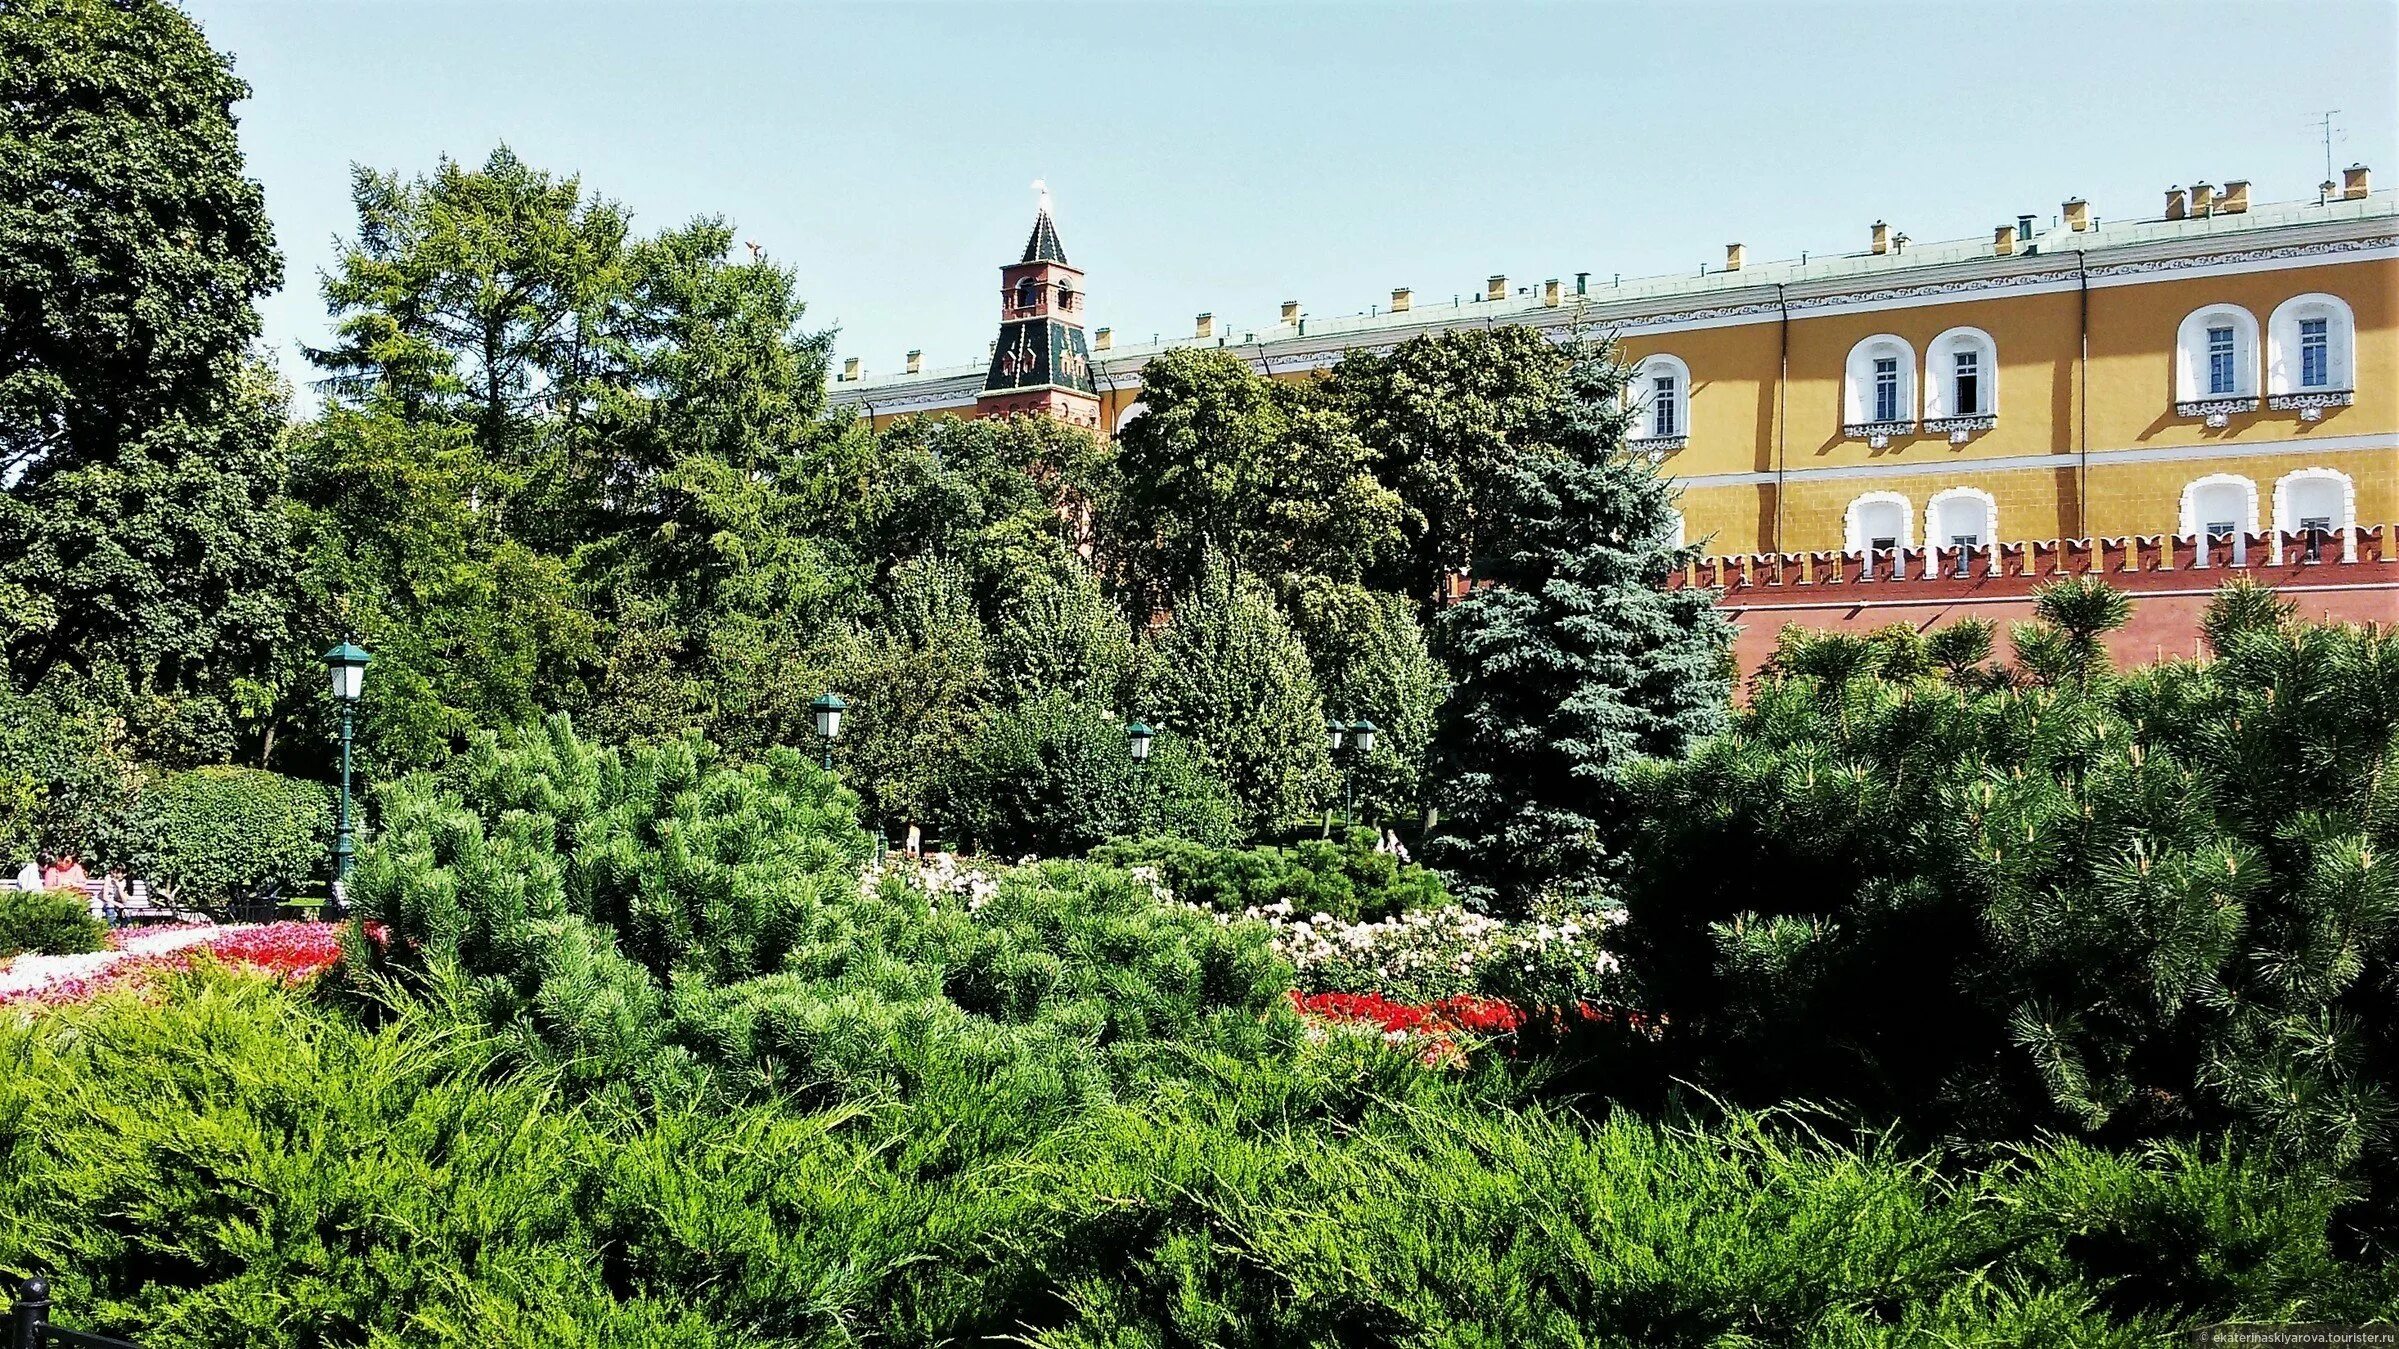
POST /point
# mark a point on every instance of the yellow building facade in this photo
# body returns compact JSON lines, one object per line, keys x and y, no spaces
{"x":2219,"y":368}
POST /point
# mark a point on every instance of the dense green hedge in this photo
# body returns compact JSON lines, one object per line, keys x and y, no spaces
{"x":49,"y":922}
{"x":217,"y":833}
{"x":269,"y":1174}
{"x":1345,"y":877}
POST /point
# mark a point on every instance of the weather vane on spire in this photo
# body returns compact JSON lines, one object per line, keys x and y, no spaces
{"x":1043,"y":189}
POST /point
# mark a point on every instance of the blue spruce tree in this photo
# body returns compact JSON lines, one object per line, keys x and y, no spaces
{"x":1575,"y":661}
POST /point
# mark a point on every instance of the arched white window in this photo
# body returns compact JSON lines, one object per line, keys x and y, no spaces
{"x":1661,"y":396}
{"x":2215,"y":363}
{"x":1880,"y":521}
{"x":1879,"y":394}
{"x":1680,"y":534}
{"x":1961,"y":380}
{"x":2311,"y":354}
{"x":1965,"y":519}
{"x":1125,"y":418}
{"x":2318,"y":503}
{"x":2219,"y":506}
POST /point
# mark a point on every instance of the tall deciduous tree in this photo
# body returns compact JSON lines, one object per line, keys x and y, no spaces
{"x":1263,"y":471}
{"x":1576,"y":661}
{"x":1444,"y":416}
{"x":139,"y":526}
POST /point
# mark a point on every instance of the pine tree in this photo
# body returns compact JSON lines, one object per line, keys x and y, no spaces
{"x":1575,"y":662}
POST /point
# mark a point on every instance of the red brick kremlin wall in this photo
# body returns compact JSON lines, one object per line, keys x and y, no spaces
{"x":2353,"y":578}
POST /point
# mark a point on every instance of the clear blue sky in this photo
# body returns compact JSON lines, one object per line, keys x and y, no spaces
{"x":1228,"y":157}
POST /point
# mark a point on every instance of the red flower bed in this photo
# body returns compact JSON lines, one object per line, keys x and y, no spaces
{"x":1435,"y":1023}
{"x":292,"y":952}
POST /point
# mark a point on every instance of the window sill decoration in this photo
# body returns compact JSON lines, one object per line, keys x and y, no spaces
{"x":2310,"y":406}
{"x":1960,"y":429}
{"x":1657,"y":447}
{"x":2217,"y":411}
{"x":1877,"y":434}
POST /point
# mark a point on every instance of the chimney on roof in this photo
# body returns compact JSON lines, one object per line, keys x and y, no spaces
{"x":1290,"y":313}
{"x":2356,"y":182}
{"x":1400,"y":298}
{"x":1496,"y":288}
{"x":1734,"y":256}
{"x":1552,"y":293}
{"x":2078,"y":214}
{"x":2324,"y":191}
{"x":2003,"y":240}
{"x":2175,"y":207}
{"x":849,"y":368}
{"x":2024,"y":229}
{"x":1204,"y":326}
{"x":916,"y":362}
{"x":1582,"y":283}
{"x":2236,"y":196}
{"x":2203,"y":199}
{"x":1102,"y":339}
{"x":1882,"y":237}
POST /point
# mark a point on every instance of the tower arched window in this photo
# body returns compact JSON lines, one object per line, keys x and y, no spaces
{"x":2215,"y":363}
{"x":1066,"y":296}
{"x":1961,"y":383}
{"x":1661,"y":395}
{"x":1028,"y":295}
{"x":1878,"y":397}
{"x":2311,"y":355}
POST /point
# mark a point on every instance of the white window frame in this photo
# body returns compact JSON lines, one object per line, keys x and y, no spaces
{"x":2287,"y":518}
{"x":2192,"y":396}
{"x":1854,"y":533}
{"x":1642,"y":393}
{"x":1858,"y":421}
{"x":1941,"y":414}
{"x":2283,"y":355}
{"x":1937,"y":537}
{"x":2194,"y":528}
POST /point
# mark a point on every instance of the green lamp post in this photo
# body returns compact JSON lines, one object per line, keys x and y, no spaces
{"x":1361,"y":744}
{"x":1137,"y":740}
{"x":828,"y":710}
{"x":347,"y":664}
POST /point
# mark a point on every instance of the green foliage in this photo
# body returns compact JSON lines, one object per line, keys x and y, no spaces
{"x":48,"y":922}
{"x":1576,"y":662}
{"x":1444,"y":416}
{"x":1345,"y":877}
{"x":1054,"y":776}
{"x":65,"y":781}
{"x":216,"y":833}
{"x":1343,"y":1196}
{"x":1226,"y":461}
{"x":919,"y":689}
{"x":1371,"y":661}
{"x":138,"y":527}
{"x":1234,"y":680}
{"x":2138,"y":906}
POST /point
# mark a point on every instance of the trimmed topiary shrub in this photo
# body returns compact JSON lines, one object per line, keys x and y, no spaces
{"x":215,"y":833}
{"x":1343,"y":877}
{"x":48,"y":922}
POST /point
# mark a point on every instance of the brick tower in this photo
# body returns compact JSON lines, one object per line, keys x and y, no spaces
{"x":1041,"y":363}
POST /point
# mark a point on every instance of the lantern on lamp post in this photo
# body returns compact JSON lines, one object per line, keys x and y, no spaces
{"x":828,"y":710}
{"x":346,"y":665}
{"x":1137,"y":741}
